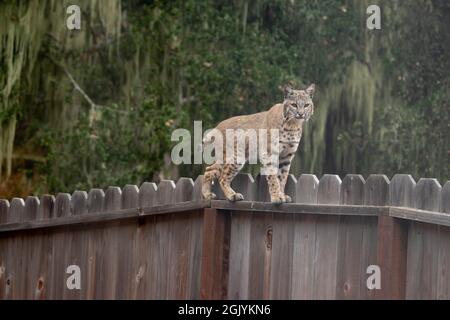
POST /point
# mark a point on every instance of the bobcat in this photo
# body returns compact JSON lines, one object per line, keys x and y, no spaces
{"x":288,"y":118}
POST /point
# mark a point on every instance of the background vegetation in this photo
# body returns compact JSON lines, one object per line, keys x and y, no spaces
{"x":96,"y":107}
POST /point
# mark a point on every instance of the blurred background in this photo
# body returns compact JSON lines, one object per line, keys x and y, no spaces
{"x":96,"y":107}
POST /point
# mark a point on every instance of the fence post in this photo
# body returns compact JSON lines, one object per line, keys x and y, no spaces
{"x":393,"y":240}
{"x":215,"y":254}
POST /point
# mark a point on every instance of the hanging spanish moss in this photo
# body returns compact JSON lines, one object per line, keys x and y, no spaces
{"x":72,"y":101}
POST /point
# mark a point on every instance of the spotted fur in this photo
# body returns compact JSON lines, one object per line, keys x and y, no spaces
{"x":288,"y":117}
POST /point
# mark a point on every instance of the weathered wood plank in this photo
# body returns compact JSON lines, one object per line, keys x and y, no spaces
{"x":91,"y":248}
{"x":16,"y":212}
{"x":180,"y":234}
{"x":401,"y":191}
{"x":127,"y":251}
{"x":445,"y":198}
{"x":260,"y":258}
{"x":392,"y":237}
{"x":4,"y":207}
{"x":240,"y":241}
{"x":307,"y":189}
{"x":15,"y":244}
{"x":350,"y":236}
{"x":443,"y":290}
{"x":282,"y":255}
{"x":79,"y":203}
{"x":376,"y":192}
{"x":443,"y":274}
{"x":32,"y":250}
{"x":111,"y":236}
{"x":62,"y":205}
{"x":297,"y":208}
{"x":45,"y":212}
{"x":326,"y":240}
{"x":423,"y":239}
{"x":215,"y":253}
{"x":304,"y":240}
{"x":147,"y":194}
{"x":121,"y":214}
{"x":195,"y":254}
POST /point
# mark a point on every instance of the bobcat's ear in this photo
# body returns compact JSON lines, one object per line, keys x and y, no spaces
{"x":287,"y":89}
{"x":310,"y":90}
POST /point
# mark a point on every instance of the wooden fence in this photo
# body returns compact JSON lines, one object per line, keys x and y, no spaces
{"x":165,"y":242}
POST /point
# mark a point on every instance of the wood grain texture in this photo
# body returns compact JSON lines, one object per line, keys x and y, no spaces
{"x":180,"y":233}
{"x":238,"y":282}
{"x":307,"y":189}
{"x":303,"y":262}
{"x":376,"y":192}
{"x":4,"y":207}
{"x":350,"y":240}
{"x":392,"y":235}
{"x":282,"y":254}
{"x":164,"y":242}
{"x":445,"y":198}
{"x":215,"y":254}
{"x":423,"y":239}
{"x":326,"y":240}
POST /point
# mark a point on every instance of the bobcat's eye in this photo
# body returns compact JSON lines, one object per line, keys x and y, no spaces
{"x":294,"y":105}
{"x":308,"y":105}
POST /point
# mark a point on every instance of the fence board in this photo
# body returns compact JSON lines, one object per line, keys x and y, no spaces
{"x":304,"y":240}
{"x":32,"y":250}
{"x":158,"y":243}
{"x":423,"y":238}
{"x":147,"y":194}
{"x":260,"y":258}
{"x":350,"y":240}
{"x":445,"y":198}
{"x":4,"y":207}
{"x":195,"y":244}
{"x":112,"y":235}
{"x":215,"y":253}
{"x":443,"y":290}
{"x":180,"y":233}
{"x":127,"y":247}
{"x":62,"y":205}
{"x":376,"y":193}
{"x":46,"y":209}
{"x":240,"y":241}
{"x":282,"y":254}
{"x":326,"y":240}
{"x":14,"y":288}
{"x":92,"y":246}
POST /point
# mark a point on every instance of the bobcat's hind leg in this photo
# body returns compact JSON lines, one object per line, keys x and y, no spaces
{"x":212,"y":172}
{"x":228,"y":173}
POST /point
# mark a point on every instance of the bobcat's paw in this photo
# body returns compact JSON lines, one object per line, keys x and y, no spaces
{"x":236,"y":197}
{"x":277,"y":199}
{"x":209,"y":196}
{"x":287,"y":198}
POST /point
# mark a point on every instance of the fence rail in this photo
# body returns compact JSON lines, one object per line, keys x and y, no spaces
{"x":165,"y":242}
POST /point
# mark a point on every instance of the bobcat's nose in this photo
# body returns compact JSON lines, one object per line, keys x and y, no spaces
{"x":299,"y":115}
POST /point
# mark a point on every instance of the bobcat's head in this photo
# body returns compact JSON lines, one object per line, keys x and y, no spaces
{"x":298,"y":103}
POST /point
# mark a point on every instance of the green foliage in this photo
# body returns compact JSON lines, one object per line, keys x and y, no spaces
{"x":382,"y":99}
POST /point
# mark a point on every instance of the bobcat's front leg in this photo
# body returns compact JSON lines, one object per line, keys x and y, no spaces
{"x":283,"y":174}
{"x":228,"y":173}
{"x":276,"y":196}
